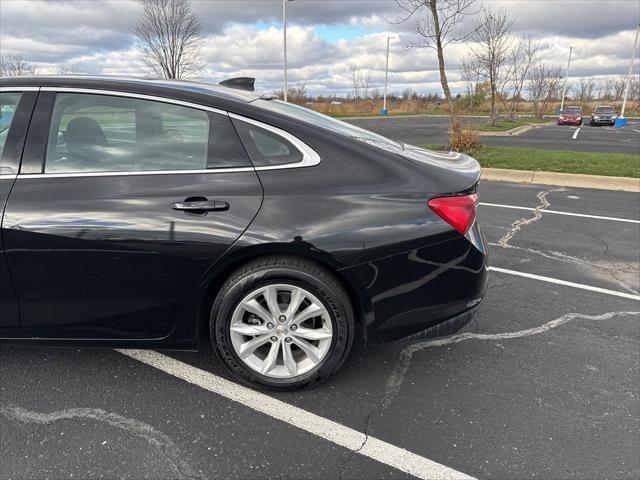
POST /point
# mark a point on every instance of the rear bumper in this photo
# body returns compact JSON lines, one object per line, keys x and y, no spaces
{"x":427,"y":291}
{"x":448,"y":327}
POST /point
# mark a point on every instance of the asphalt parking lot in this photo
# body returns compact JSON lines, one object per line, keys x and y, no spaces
{"x":417,"y":130}
{"x":542,"y":384}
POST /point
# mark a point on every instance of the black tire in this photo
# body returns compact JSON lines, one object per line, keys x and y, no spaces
{"x":277,"y":270}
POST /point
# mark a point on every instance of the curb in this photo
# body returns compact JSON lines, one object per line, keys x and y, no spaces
{"x":624,"y":184}
{"x":514,"y":131}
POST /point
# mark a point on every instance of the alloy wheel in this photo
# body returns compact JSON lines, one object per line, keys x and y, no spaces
{"x":281,"y":331}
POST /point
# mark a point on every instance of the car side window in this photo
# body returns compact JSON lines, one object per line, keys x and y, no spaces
{"x":8,"y":105}
{"x":266,"y":148}
{"x":101,"y":133}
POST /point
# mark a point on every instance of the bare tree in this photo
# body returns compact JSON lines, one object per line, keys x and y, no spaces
{"x":469,"y":74}
{"x":297,"y":93}
{"x":492,"y":51}
{"x":608,"y":89}
{"x":62,"y":69}
{"x":437,"y":24}
{"x":524,"y":56}
{"x":543,"y":85}
{"x":584,"y":89}
{"x":168,"y":37}
{"x":15,"y":66}
{"x":366,"y":84}
{"x":634,"y":89}
{"x":356,"y":80}
{"x":618,"y":85}
{"x":408,"y":93}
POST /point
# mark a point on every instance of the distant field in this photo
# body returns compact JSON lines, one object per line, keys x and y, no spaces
{"x":589,"y":163}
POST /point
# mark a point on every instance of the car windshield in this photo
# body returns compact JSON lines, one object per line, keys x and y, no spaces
{"x":604,"y":110}
{"x":572,"y":110}
{"x":324,"y":121}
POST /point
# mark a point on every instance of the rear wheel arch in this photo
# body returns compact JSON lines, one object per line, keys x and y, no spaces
{"x":225,"y":268}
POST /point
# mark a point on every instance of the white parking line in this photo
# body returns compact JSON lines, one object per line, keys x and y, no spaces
{"x":556,"y":212}
{"x":636,"y":130}
{"x":567,"y":284}
{"x":336,"y":433}
{"x":575,"y":135}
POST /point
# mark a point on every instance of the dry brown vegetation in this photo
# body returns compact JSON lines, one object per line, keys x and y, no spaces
{"x":467,"y":141}
{"x":417,"y":106}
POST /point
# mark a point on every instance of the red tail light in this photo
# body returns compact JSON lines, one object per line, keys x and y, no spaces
{"x":459,"y":211}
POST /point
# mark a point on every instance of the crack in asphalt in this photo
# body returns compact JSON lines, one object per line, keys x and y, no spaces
{"x":396,"y":378}
{"x":537,"y":215}
{"x":354,"y":453}
{"x":135,"y":427}
{"x":613,"y":272}
{"x":516,"y":226}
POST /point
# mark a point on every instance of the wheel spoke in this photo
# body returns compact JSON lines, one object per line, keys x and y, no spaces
{"x":312,"y":333}
{"x":249,"y":347}
{"x":311,"y":311}
{"x":252,"y":306}
{"x":312,"y":352}
{"x":270,"y":319}
{"x":296,"y":299}
{"x":269,"y":362}
{"x":246,"y":329}
{"x":271,"y":296}
{"x":289,"y":362}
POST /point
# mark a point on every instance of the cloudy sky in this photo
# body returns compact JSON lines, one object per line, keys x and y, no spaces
{"x":244,"y":37}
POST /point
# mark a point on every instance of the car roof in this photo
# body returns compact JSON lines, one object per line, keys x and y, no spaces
{"x":132,"y":84}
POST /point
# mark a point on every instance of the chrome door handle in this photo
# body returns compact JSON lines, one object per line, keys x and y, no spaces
{"x":202,"y":206}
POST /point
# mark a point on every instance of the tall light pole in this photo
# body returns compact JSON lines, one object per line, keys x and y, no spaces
{"x":284,"y":32}
{"x":627,"y":86}
{"x":566,"y":79}
{"x":386,"y":80}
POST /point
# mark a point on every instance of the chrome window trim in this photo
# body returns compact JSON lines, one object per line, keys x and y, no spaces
{"x":310,"y":157}
{"x":7,"y":177}
{"x":19,"y":89}
{"x":134,"y":174}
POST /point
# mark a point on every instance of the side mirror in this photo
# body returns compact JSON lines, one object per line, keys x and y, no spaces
{"x":61,"y":138}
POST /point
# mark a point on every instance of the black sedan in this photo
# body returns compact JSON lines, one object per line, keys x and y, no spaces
{"x":163,"y":214}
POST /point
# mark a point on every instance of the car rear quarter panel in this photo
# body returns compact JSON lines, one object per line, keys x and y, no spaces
{"x":364,"y":212}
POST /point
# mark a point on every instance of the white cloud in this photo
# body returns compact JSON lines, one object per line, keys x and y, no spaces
{"x":243,"y":37}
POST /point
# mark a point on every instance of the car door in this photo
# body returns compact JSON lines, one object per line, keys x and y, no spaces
{"x":16,"y":106}
{"x":122,"y":204}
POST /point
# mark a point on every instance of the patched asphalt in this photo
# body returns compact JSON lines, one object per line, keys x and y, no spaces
{"x":543,"y":385}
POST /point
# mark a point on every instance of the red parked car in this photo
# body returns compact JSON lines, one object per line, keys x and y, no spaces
{"x":570,"y":116}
